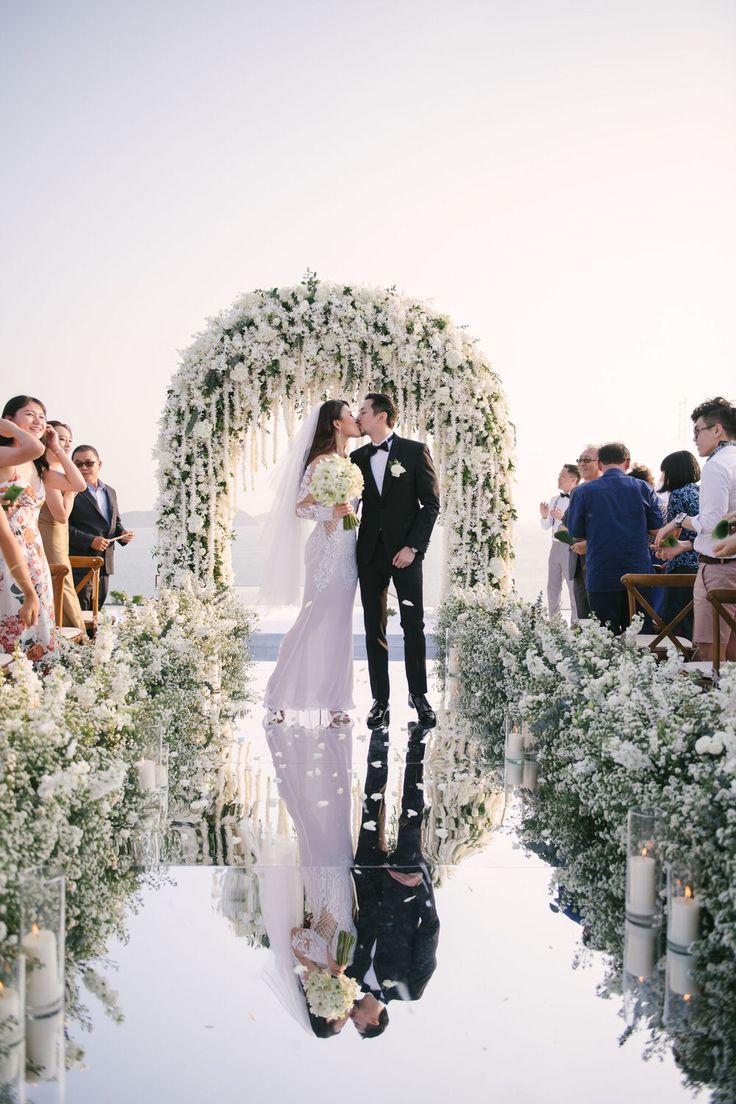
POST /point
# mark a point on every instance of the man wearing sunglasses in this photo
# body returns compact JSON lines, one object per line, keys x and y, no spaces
{"x":94,"y":523}
{"x":714,"y":434}
{"x":589,"y":469}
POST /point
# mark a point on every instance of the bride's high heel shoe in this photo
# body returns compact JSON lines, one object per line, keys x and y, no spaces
{"x":339,"y":720}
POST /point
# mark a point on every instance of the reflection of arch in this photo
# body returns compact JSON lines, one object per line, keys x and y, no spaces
{"x":277,"y":352}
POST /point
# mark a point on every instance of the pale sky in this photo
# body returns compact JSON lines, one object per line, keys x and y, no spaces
{"x":558,"y":176}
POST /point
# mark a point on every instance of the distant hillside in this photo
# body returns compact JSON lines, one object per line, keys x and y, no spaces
{"x":144,"y":519}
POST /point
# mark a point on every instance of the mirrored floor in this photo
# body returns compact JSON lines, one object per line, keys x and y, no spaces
{"x":507,"y":997}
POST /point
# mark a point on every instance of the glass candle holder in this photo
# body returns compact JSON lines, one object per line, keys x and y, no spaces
{"x":642,"y":867}
{"x":513,"y":773}
{"x":12,"y":1019}
{"x":452,"y":692}
{"x":513,"y":738}
{"x":530,"y":774}
{"x":683,"y":910}
{"x":452,"y":652}
{"x":42,"y":924}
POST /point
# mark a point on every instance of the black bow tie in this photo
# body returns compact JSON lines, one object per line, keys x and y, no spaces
{"x":563,"y":495}
{"x":377,"y":448}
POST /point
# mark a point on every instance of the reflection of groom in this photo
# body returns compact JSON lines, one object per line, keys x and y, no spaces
{"x":401,"y":501}
{"x":397,"y":924}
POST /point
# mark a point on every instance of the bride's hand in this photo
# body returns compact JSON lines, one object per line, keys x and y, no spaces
{"x":343,"y":509}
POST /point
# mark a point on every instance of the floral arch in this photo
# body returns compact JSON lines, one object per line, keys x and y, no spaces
{"x":275,"y":353}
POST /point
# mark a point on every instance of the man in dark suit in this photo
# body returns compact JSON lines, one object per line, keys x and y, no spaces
{"x":401,"y":501}
{"x":94,"y":523}
{"x":397,"y":924}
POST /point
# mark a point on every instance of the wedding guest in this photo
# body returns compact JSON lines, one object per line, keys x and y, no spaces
{"x":552,"y":517}
{"x":94,"y":522}
{"x":614,"y":515}
{"x":53,"y":525}
{"x":641,"y":471}
{"x":680,"y":477}
{"x":656,"y":595}
{"x":714,"y":433}
{"x":589,"y":469}
{"x":26,"y":416}
{"x":18,"y":613}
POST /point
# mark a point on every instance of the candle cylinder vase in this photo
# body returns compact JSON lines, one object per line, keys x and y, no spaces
{"x":642,"y":868}
{"x":641,"y":950}
{"x":42,"y":923}
{"x":683,"y":911}
{"x":513,"y":738}
{"x":452,"y":692}
{"x":452,"y":653}
{"x":12,"y":1020}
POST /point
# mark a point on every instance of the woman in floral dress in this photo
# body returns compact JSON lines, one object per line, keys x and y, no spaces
{"x":27,"y":417}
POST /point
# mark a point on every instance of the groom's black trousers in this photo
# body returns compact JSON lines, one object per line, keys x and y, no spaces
{"x":374,"y":577}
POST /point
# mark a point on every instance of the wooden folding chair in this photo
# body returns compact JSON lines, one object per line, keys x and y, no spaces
{"x":719,"y":598}
{"x":59,"y":573}
{"x":656,"y":642}
{"x":92,"y":566}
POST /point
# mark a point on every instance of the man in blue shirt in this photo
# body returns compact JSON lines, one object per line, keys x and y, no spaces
{"x":614,"y":515}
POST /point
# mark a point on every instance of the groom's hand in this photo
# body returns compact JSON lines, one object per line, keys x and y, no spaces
{"x":404,"y":557}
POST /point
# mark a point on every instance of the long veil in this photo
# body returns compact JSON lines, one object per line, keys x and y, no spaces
{"x":285,"y":534}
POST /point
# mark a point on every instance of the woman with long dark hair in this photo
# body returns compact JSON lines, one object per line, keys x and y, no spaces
{"x":29,"y":481}
{"x":53,"y":525}
{"x":313,"y":678}
{"x":680,"y":479}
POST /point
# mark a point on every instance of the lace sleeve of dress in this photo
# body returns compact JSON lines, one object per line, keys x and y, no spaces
{"x":312,"y":512}
{"x":308,"y":943}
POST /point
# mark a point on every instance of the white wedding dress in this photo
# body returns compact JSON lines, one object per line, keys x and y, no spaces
{"x":314,"y":671}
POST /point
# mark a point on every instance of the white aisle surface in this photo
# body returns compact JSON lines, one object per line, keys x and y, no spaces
{"x":505,"y":1016}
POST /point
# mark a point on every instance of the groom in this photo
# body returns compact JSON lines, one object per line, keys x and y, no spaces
{"x":401,"y":501}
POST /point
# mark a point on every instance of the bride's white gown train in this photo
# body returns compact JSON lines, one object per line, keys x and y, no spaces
{"x":314,"y":671}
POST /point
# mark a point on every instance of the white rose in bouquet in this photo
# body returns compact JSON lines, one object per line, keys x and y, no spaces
{"x":337,"y":480}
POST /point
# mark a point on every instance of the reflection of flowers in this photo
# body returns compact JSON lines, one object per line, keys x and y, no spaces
{"x":330,"y":996}
{"x":465,"y":803}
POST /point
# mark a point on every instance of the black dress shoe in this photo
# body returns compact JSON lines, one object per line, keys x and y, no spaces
{"x":379,"y":715}
{"x":425,"y":712}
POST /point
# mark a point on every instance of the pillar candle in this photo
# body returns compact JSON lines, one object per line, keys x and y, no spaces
{"x":453,"y":660}
{"x":146,"y":774}
{"x":514,"y":744}
{"x":679,"y":973}
{"x":43,"y":986}
{"x":684,"y":920}
{"x":44,"y":1041}
{"x":640,"y":950}
{"x":642,"y":887}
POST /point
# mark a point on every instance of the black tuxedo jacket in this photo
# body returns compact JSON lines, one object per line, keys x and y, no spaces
{"x":86,"y":522}
{"x":406,"y":510}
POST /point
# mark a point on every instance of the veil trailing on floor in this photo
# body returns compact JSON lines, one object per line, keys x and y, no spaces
{"x":285,"y":534}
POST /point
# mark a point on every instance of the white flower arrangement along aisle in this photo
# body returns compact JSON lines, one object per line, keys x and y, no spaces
{"x":615,"y":730}
{"x":284,"y":349}
{"x":176,"y":668}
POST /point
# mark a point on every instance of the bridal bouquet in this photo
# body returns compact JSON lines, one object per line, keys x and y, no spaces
{"x":330,"y":996}
{"x":337,"y":480}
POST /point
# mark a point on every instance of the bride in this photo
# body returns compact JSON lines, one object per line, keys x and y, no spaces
{"x":314,"y":671}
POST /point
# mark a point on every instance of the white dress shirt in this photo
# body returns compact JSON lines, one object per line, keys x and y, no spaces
{"x":563,"y":501}
{"x":379,"y":460}
{"x":717,"y":497}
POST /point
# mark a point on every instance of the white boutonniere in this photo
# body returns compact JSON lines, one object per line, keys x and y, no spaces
{"x":397,"y":468}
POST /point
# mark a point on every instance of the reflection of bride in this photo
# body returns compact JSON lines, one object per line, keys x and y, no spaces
{"x":313,"y":778}
{"x":314,"y":672}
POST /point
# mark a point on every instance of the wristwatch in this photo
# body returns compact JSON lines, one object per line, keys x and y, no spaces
{"x":414,"y":550}
{"x":679,"y":518}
